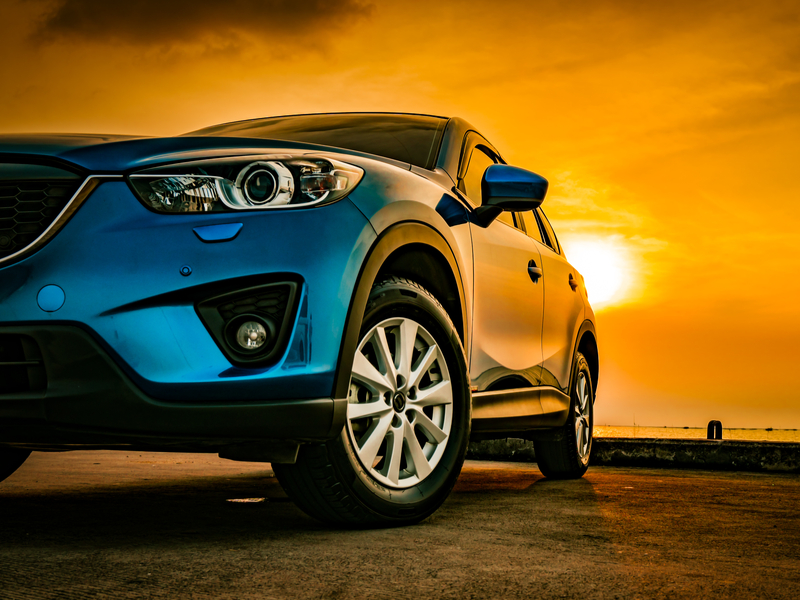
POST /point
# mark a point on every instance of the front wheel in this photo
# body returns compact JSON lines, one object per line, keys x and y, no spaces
{"x":408,"y":419}
{"x":566,"y":455}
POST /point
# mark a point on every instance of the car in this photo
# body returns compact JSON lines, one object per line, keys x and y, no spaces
{"x":352,"y":297}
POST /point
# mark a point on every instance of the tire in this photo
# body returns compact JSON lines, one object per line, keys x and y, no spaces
{"x":562,"y":456}
{"x":11,"y":459}
{"x":405,"y":438}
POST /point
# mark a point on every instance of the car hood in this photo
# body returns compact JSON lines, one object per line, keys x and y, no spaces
{"x":111,"y":154}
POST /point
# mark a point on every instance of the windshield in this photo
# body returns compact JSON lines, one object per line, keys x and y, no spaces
{"x":413,"y":139}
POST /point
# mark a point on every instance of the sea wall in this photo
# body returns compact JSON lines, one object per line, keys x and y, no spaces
{"x":728,"y":455}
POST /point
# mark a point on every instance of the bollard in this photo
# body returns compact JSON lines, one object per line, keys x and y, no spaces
{"x":714,"y":430}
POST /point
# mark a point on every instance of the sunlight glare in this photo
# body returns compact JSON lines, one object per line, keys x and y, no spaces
{"x":605,"y":267}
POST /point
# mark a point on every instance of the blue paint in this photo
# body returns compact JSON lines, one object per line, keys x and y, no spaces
{"x":122,"y":264}
{"x":507,"y":182}
{"x":51,"y":298}
{"x":119,"y":259}
{"x":218,"y":233}
{"x":452,"y":211}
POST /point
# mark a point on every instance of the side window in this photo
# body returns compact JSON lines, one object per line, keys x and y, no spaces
{"x":550,"y":235}
{"x":507,"y":218}
{"x":479,"y":161}
{"x":531,"y":225}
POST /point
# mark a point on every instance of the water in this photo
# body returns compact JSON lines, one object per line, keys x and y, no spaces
{"x":761,"y":435}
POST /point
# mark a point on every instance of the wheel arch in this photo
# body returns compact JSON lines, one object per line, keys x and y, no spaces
{"x":428,"y":267}
{"x":587,"y":345}
{"x":415,"y":251}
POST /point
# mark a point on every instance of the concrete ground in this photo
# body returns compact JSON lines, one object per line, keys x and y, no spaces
{"x":136,"y":525}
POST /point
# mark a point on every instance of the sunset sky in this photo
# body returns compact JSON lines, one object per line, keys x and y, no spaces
{"x":670,"y":133}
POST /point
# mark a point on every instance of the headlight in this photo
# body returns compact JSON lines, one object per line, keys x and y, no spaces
{"x":253,"y":183}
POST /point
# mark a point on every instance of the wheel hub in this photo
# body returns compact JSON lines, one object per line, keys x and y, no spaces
{"x":399,"y":402}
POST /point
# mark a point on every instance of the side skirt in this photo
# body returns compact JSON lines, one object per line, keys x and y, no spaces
{"x":519,"y":411}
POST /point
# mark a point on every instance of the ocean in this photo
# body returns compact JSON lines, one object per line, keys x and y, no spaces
{"x":765,"y":435}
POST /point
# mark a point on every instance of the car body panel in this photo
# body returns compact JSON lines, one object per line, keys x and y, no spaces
{"x":563,"y":316}
{"x":115,"y":254}
{"x":90,"y":402}
{"x":508,"y":309}
{"x":392,"y":200}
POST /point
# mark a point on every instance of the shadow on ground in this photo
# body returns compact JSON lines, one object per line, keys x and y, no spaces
{"x":162,"y":526}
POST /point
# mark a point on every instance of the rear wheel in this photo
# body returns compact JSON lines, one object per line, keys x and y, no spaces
{"x":408,"y":419}
{"x":11,"y":459}
{"x":566,"y":455}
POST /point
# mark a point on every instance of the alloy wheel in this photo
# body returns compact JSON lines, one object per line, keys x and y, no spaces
{"x":400,"y":409}
{"x":583,"y":428}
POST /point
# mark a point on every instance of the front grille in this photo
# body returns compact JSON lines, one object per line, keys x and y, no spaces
{"x":28,"y":207}
{"x":21,"y":366}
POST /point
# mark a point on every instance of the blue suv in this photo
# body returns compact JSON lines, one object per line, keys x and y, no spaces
{"x":351,"y":297}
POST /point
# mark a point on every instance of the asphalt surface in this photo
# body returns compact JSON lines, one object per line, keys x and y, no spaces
{"x":135,"y":525}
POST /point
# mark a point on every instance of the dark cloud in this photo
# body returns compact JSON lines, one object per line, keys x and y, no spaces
{"x":189,"y":22}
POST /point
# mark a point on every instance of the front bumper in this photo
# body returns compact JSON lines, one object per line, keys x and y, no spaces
{"x":128,"y":354}
{"x":88,"y":400}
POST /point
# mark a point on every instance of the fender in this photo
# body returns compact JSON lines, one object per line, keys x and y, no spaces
{"x":391,"y":239}
{"x":587,"y":325}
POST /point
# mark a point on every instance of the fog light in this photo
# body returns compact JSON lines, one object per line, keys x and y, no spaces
{"x":251,"y":335}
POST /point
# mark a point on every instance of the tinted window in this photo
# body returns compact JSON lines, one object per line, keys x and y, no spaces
{"x":409,"y":138}
{"x":479,"y":161}
{"x":552,"y":241}
{"x":506,"y":217}
{"x":531,"y":225}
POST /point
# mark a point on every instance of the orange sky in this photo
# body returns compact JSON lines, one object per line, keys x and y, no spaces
{"x":670,"y":132}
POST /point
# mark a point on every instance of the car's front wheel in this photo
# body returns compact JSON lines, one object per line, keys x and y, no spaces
{"x":11,"y":459}
{"x":408,"y":419}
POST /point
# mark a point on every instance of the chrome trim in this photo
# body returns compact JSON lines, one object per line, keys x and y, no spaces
{"x":78,"y":198}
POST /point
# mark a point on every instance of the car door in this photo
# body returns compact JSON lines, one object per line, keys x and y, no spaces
{"x":563,"y":304}
{"x":508,"y":301}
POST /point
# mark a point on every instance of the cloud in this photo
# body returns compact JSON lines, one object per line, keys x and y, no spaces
{"x":171,"y":23}
{"x":580,"y":207}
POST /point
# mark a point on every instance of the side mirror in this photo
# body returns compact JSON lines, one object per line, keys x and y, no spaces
{"x":504,"y":187}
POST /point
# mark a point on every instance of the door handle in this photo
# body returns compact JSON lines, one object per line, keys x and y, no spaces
{"x":573,"y":283}
{"x":534,"y":271}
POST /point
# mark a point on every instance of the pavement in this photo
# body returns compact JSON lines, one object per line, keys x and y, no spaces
{"x":135,"y":525}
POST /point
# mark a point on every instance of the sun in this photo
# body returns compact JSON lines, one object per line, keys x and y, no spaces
{"x":605,"y":266}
